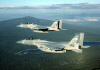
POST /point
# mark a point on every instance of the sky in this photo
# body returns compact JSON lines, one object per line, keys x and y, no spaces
{"x":49,"y":8}
{"x":42,"y":2}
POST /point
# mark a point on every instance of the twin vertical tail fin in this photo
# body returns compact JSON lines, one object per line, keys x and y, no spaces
{"x":81,"y":39}
{"x":57,"y":24}
{"x":76,"y":43}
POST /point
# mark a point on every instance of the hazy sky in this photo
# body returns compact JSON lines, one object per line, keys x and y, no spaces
{"x":42,"y":2}
{"x":50,"y":7}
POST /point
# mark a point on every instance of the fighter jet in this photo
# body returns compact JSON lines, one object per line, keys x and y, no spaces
{"x":57,"y":47}
{"x":56,"y":26}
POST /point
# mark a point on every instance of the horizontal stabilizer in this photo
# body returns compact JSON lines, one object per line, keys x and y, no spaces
{"x":85,"y":46}
{"x":77,"y":50}
{"x":63,"y":29}
{"x":40,"y":31}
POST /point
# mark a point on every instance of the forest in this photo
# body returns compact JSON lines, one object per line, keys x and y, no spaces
{"x":89,"y":59}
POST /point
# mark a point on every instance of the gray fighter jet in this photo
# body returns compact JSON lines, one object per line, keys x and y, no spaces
{"x":57,"y":47}
{"x":56,"y":26}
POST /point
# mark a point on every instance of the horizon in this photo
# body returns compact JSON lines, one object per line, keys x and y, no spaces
{"x":49,"y":6}
{"x":69,"y":10}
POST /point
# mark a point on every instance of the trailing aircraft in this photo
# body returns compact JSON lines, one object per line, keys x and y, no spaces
{"x":57,"y":47}
{"x":56,"y":26}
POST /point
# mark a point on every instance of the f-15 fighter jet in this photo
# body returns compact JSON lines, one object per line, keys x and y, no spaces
{"x":57,"y":47}
{"x":56,"y":26}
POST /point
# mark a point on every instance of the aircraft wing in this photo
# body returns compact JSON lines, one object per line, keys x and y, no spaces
{"x":42,"y":44}
{"x":77,"y":50}
{"x":48,"y":45}
{"x":54,"y":46}
{"x":37,"y":27}
{"x":41,"y":27}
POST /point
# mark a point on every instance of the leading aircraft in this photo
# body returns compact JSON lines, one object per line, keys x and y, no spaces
{"x":57,"y":47}
{"x":56,"y":26}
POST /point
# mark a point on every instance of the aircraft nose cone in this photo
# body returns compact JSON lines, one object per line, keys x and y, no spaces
{"x":18,"y":26}
{"x":19,"y":42}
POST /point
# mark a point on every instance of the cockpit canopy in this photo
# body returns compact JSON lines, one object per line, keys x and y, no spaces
{"x":27,"y":23}
{"x":30,"y":39}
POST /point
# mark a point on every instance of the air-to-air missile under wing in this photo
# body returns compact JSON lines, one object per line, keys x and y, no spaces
{"x":54,"y":47}
{"x":56,"y":26}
